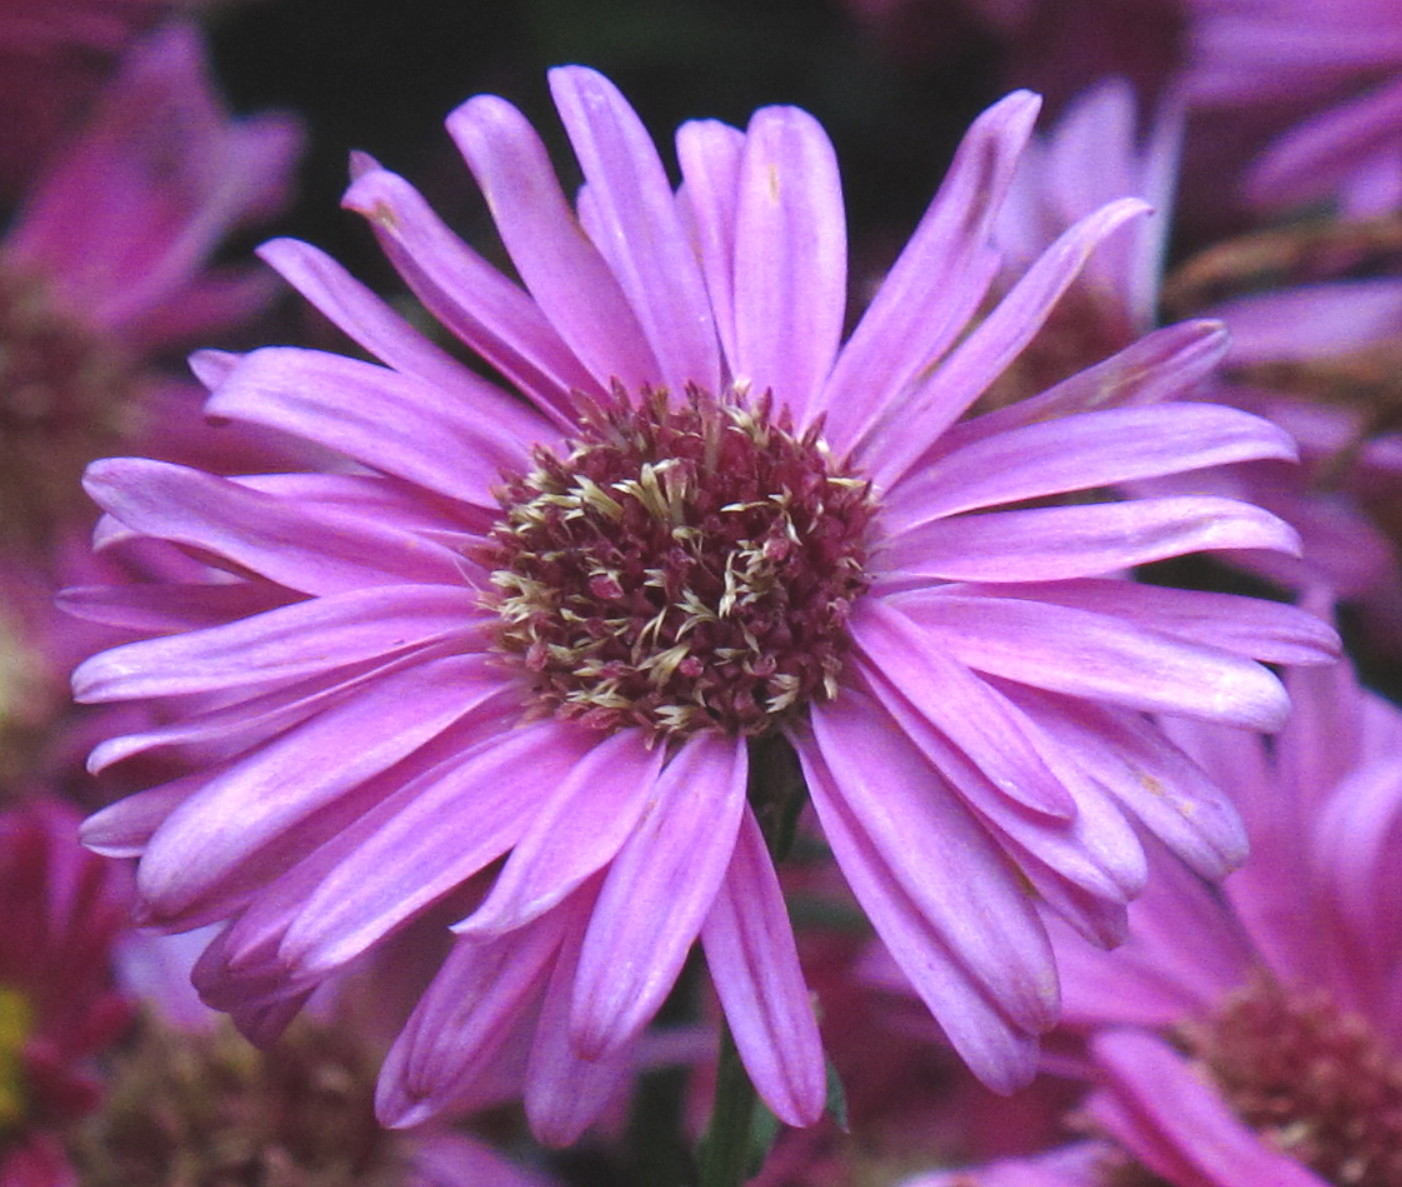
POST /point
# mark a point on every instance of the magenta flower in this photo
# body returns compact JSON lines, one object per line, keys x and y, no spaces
{"x":62,"y":910}
{"x":106,"y":268}
{"x":513,"y":658}
{"x":1281,"y":997}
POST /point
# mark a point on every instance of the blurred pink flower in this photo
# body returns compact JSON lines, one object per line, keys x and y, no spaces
{"x":63,"y":909}
{"x":516,"y":654}
{"x":1253,"y":1037}
{"x":107,"y":268}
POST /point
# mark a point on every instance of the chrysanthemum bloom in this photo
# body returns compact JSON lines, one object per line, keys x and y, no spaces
{"x":520,"y":655}
{"x":106,"y":268}
{"x":62,"y":910}
{"x":1252,"y":1038}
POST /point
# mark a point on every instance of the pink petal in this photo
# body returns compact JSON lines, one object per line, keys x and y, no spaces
{"x":1081,"y":452}
{"x":933,"y":289}
{"x":569,"y":279}
{"x":790,"y":259}
{"x":1099,"y":657}
{"x":753,"y":961}
{"x":1062,"y":543}
{"x":639,"y":231}
{"x":455,"y":441}
{"x":911,"y":835}
{"x":973,"y":716}
{"x":1000,"y":1052}
{"x":580,"y":829}
{"x":909,"y":428}
{"x":657,"y":893}
{"x":482,"y":307}
{"x":318,"y":635}
{"x":709,"y":153}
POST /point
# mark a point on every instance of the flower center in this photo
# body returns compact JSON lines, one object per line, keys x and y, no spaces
{"x":62,"y":403}
{"x":206,"y":1107}
{"x":1319,"y":1081}
{"x":685,"y":568}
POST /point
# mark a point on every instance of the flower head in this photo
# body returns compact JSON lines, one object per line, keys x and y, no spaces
{"x":1252,"y":1037}
{"x":533,"y":656}
{"x":106,"y":269}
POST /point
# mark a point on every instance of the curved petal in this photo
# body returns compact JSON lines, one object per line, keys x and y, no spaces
{"x":753,"y":960}
{"x":587,"y":819}
{"x":1098,"y":657}
{"x":454,"y":441}
{"x":916,"y":836}
{"x":709,"y":153}
{"x":790,"y":259}
{"x":637,"y":227}
{"x":657,"y":893}
{"x":569,"y":279}
{"x":1063,"y":543}
{"x":1073,"y":453}
{"x":933,"y":289}
{"x":998,"y":1051}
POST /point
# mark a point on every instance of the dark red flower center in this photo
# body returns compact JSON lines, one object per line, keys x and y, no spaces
{"x":686,"y":567}
{"x":1316,"y":1081}
{"x":63,"y":402}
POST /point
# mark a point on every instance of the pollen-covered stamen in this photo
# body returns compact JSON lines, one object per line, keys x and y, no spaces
{"x":63,"y":401}
{"x":684,"y":568}
{"x":1318,"y":1081}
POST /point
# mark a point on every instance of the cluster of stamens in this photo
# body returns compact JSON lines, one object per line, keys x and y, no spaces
{"x":690,"y":566}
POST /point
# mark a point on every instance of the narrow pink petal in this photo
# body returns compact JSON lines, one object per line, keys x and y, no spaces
{"x":1084,"y":540}
{"x":1162,"y":365}
{"x":569,"y":279}
{"x":709,"y":153}
{"x":1155,"y":781}
{"x":488,"y":312}
{"x":565,"y":1093}
{"x":1251,"y":627}
{"x":318,"y":635}
{"x":1179,"y":1126}
{"x":205,"y":839}
{"x":960,"y":705}
{"x":446,"y":1158}
{"x":1098,"y":656}
{"x":166,"y":609}
{"x":908,"y":428}
{"x":123,"y":829}
{"x":999,"y":1052}
{"x":921,"y":838}
{"x":1096,"y":849}
{"x":790,"y":259}
{"x":929,"y":294}
{"x":657,"y":893}
{"x":360,"y":314}
{"x":312,"y":550}
{"x":455,"y":441}
{"x":753,"y":962}
{"x":428,"y":838}
{"x":1072,"y":1166}
{"x":1074,"y":453}
{"x":588,"y":817}
{"x":476,"y":1001}
{"x":638,"y":228}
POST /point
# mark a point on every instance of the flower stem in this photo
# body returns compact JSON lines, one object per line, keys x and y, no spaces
{"x":727,"y":1149}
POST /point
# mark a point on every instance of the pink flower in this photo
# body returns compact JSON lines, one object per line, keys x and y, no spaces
{"x":543,"y":657}
{"x":107,"y":268}
{"x":1282,"y":995}
{"x":63,"y":908}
